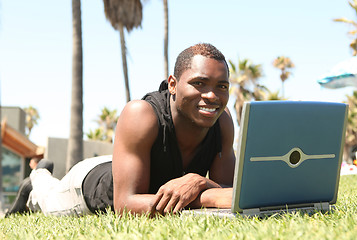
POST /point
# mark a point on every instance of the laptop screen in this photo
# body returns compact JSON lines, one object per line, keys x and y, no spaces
{"x":289,"y":153}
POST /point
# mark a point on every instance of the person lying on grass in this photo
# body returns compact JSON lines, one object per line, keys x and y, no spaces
{"x":19,"y":204}
{"x":164,"y":146}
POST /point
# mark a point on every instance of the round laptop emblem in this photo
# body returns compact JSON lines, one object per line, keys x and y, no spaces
{"x":295,"y":157}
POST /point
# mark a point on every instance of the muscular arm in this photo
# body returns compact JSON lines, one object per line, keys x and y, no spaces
{"x":131,"y":158}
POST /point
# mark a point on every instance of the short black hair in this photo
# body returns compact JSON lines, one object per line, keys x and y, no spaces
{"x":184,"y":59}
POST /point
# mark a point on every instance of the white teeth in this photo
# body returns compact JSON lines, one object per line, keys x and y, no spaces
{"x":207,"y":109}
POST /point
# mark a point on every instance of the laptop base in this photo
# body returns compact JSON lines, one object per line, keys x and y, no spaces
{"x":256,"y":212}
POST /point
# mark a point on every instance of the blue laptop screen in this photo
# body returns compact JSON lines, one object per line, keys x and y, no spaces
{"x":292,"y":153}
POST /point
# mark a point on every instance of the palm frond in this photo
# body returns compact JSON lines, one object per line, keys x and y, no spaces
{"x":232,"y":66}
{"x":344,"y":20}
{"x":127,"y":13}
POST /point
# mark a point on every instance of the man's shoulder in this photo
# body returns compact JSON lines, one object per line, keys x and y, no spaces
{"x":137,"y":108}
{"x":160,"y":102}
{"x":137,"y":121}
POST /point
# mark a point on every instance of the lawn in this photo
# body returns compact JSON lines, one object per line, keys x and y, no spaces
{"x":341,"y":224}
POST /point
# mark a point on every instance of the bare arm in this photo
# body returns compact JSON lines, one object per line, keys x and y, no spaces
{"x":214,"y":197}
{"x":180,"y":192}
{"x":131,"y":159}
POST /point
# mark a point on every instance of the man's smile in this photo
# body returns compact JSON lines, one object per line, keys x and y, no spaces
{"x":206,"y":109}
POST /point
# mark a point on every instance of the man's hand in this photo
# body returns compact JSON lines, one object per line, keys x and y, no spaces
{"x":179,"y":192}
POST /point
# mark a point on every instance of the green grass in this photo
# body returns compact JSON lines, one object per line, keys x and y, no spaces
{"x":340,"y":224}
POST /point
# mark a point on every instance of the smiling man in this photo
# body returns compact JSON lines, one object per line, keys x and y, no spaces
{"x":165,"y":144}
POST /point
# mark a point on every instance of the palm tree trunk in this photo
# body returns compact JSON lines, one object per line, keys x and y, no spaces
{"x":282,"y":89}
{"x":125,"y":65}
{"x":166,"y":39}
{"x":75,"y":141}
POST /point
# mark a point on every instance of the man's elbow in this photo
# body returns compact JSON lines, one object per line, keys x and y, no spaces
{"x":135,"y":204}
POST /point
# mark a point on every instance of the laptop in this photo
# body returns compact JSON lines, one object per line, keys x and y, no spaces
{"x":288,"y":158}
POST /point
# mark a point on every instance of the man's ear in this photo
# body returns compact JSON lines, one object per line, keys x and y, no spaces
{"x":172,"y":84}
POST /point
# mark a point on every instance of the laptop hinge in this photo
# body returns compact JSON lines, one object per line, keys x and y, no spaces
{"x":325,"y":206}
{"x":251,"y":211}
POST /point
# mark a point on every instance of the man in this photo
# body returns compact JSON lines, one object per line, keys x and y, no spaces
{"x":19,"y":204}
{"x":164,"y":146}
{"x":194,"y":113}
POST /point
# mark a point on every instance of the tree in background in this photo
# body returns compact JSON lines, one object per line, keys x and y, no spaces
{"x":284,"y":64}
{"x":32,"y":116}
{"x":107,"y":122}
{"x":124,"y":14}
{"x":351,"y":128}
{"x":272,"y":96}
{"x":166,"y":38}
{"x":75,"y":141}
{"x":244,"y":79}
{"x":96,"y":134}
{"x":245,"y":85}
{"x":353,"y":24}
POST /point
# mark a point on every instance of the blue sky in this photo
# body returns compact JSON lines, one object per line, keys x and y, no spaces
{"x":36,"y":50}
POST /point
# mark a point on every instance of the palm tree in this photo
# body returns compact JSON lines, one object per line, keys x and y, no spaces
{"x":244,"y":79}
{"x":124,"y":14}
{"x":284,"y":64}
{"x":75,"y":141}
{"x":107,"y":122}
{"x":96,"y":135}
{"x":272,"y":96}
{"x":351,"y":129}
{"x":166,"y":39}
{"x":353,"y":24}
{"x":32,"y":116}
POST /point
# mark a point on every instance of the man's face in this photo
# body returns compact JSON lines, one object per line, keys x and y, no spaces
{"x":202,"y":92}
{"x":33,"y":163}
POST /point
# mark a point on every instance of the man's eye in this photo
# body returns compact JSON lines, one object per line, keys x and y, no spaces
{"x":223,"y":87}
{"x":197,"y":83}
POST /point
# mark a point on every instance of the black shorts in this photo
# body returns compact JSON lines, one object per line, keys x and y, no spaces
{"x":97,"y":188}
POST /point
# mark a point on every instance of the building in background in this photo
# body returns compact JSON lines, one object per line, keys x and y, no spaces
{"x":17,"y":150}
{"x":56,"y":151}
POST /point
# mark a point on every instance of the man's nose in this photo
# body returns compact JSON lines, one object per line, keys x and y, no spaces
{"x":210,"y":95}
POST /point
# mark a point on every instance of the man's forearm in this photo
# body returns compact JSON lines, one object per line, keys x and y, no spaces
{"x":213,"y":197}
{"x":171,"y":197}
